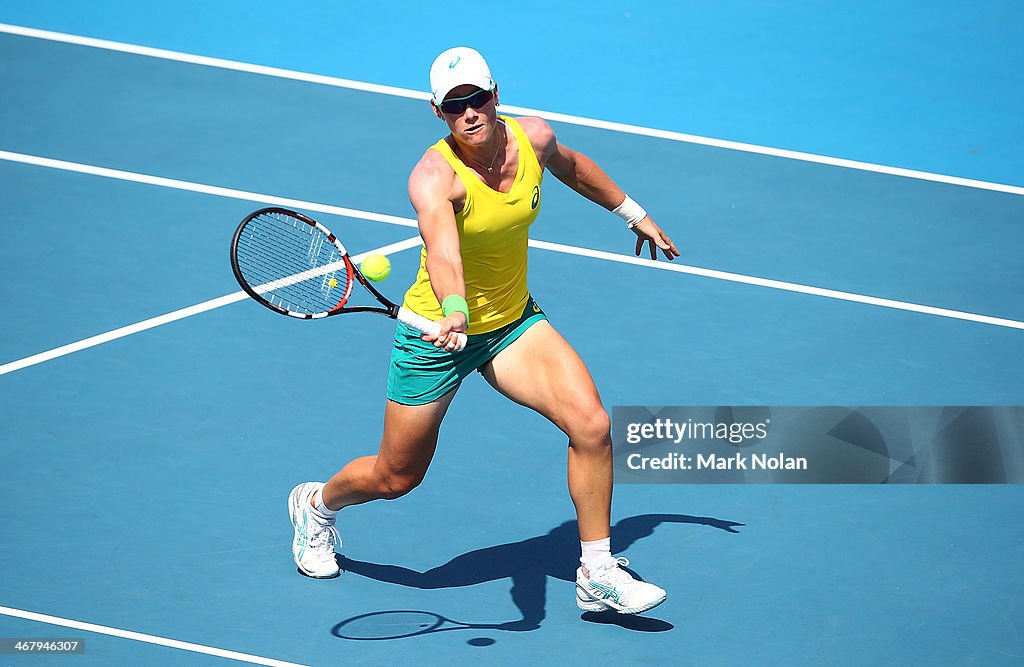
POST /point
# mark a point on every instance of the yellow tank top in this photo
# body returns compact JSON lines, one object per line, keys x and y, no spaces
{"x":493,"y":232}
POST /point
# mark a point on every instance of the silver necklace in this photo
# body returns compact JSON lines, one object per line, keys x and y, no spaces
{"x":490,"y":168}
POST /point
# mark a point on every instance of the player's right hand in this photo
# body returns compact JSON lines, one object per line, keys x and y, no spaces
{"x":450,"y":326}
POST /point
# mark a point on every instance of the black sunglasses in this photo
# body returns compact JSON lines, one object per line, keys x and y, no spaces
{"x":458,"y":105}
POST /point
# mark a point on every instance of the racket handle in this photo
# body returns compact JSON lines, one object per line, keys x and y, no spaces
{"x":417,"y":321}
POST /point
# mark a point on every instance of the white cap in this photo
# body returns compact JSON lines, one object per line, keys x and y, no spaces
{"x":458,"y":66}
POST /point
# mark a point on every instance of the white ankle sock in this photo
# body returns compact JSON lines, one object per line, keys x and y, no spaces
{"x":321,"y":509}
{"x":595,"y":551}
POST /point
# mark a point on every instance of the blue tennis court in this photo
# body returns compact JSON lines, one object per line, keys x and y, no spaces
{"x":847,"y":194}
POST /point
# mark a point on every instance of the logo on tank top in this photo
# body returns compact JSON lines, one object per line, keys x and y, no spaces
{"x":536,"y":197}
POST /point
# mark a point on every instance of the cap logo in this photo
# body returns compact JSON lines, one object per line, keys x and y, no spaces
{"x":455,"y":62}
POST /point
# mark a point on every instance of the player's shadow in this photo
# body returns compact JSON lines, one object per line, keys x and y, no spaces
{"x":529,"y":563}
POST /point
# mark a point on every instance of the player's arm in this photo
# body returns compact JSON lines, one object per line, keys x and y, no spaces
{"x":430,"y":191}
{"x":584,"y":176}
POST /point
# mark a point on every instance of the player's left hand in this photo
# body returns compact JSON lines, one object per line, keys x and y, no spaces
{"x":649,"y":233}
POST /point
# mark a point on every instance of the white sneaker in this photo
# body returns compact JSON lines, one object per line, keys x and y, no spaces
{"x":606,"y":586}
{"x":315,"y":538}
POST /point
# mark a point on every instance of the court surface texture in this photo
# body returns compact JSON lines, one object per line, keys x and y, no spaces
{"x":844,"y":184}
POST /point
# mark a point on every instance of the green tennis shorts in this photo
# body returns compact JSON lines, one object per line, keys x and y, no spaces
{"x":421,"y":373}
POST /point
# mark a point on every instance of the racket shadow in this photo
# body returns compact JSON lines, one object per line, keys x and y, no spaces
{"x":404,"y":623}
{"x":528,"y":564}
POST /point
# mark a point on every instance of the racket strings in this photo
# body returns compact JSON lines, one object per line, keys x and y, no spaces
{"x":292,"y":264}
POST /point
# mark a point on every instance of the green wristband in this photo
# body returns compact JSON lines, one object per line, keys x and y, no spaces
{"x":453,"y":303}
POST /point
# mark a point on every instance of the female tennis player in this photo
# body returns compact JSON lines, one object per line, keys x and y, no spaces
{"x":476,"y":192}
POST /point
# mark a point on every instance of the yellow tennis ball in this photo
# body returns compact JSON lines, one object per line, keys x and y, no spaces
{"x":376,"y":267}
{"x":332,"y":283}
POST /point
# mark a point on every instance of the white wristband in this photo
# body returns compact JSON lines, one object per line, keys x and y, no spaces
{"x":630,"y":211}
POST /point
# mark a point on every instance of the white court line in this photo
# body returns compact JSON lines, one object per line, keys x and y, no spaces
{"x":181,"y":314}
{"x":780,"y":285}
{"x":407,"y":222}
{"x":572,"y":250}
{"x":142,"y":637}
{"x":319,"y":79}
{"x":392,"y":219}
{"x":175,"y":184}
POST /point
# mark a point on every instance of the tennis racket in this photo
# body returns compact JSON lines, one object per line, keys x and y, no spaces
{"x":295,"y":266}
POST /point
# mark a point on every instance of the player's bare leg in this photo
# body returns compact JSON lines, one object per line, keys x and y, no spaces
{"x":406,"y":449}
{"x":542,"y":371}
